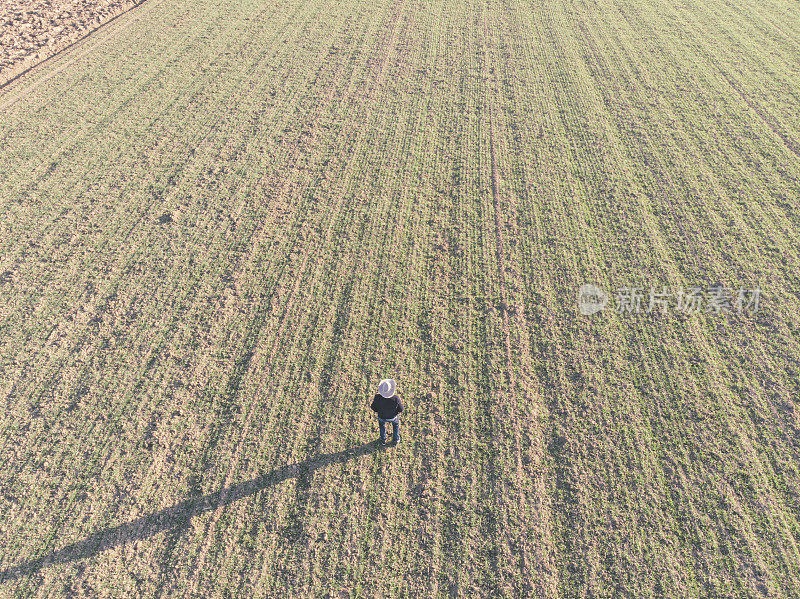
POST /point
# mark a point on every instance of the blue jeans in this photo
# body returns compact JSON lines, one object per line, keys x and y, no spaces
{"x":395,"y":427}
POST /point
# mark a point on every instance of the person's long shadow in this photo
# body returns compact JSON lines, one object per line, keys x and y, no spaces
{"x":180,"y":513}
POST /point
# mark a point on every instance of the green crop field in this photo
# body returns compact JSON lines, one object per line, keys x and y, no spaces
{"x":224,"y":222}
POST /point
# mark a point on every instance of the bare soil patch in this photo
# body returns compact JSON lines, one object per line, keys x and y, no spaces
{"x":33,"y":30}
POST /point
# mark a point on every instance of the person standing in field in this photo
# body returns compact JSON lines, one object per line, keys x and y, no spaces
{"x":387,"y":405}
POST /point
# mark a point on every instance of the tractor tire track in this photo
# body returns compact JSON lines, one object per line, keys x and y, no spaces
{"x":544,"y":560}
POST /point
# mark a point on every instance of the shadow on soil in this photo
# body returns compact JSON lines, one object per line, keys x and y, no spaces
{"x":180,"y":513}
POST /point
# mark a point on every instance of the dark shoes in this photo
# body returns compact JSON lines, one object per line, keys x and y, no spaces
{"x":384,"y":442}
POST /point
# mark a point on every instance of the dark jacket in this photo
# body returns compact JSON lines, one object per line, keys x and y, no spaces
{"x":386,"y":407}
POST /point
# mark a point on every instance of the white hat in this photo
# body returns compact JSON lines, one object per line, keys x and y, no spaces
{"x":387,"y":387}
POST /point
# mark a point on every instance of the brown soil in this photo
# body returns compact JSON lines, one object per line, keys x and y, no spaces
{"x":33,"y":30}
